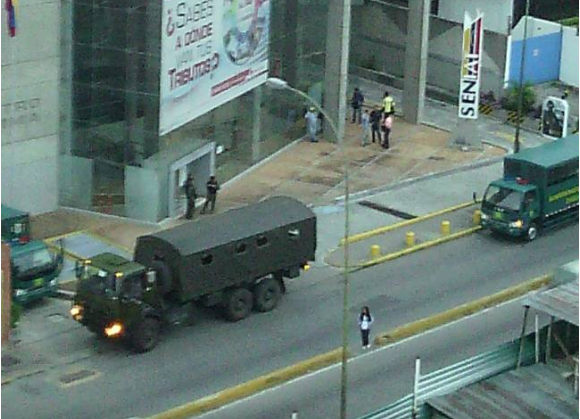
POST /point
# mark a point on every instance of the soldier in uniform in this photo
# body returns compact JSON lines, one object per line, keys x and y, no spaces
{"x":191,"y":195}
{"x":212,"y":187}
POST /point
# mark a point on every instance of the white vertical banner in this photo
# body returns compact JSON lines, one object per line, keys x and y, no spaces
{"x":471,"y":67}
{"x":212,"y":51}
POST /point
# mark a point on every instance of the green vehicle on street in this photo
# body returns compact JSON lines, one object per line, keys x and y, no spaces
{"x":539,"y":189}
{"x":34,"y":267}
{"x":236,"y":261}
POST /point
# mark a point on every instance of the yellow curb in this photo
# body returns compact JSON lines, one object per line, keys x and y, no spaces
{"x":108,"y":241}
{"x":418,"y":247}
{"x":67,"y":253}
{"x":64,"y":236}
{"x":251,"y":387}
{"x":461,"y":311}
{"x":365,"y":235}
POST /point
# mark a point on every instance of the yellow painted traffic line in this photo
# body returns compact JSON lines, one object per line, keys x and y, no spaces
{"x":464,"y":310}
{"x":318,"y":362}
{"x":251,"y":387}
{"x":64,"y":236}
{"x":418,"y":247}
{"x":67,"y":253}
{"x":381,"y":230}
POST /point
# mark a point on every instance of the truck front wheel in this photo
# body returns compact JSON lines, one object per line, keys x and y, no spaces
{"x":267,"y":294}
{"x":532,"y":232}
{"x":237,"y":304}
{"x":145,"y":336}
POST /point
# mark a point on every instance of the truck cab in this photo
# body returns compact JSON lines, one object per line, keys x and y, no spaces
{"x":511,"y":207}
{"x":35,"y":267}
{"x":114,"y":296}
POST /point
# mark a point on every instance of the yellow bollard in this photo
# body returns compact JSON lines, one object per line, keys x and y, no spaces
{"x":445,"y":227}
{"x":375,"y":251}
{"x":477,"y":217}
{"x":410,"y":239}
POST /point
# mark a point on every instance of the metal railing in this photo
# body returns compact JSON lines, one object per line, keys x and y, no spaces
{"x":451,"y":378}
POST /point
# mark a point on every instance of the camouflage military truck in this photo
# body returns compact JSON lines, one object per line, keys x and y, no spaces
{"x":236,"y":261}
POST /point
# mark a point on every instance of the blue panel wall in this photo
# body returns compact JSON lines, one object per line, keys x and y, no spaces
{"x":542,"y":61}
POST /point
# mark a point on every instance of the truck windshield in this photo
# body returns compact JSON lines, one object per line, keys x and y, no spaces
{"x":32,"y":262}
{"x":100,"y":280}
{"x":503,"y":197}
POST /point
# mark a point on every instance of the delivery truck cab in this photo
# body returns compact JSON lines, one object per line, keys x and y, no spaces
{"x":34,"y":267}
{"x":539,"y":189}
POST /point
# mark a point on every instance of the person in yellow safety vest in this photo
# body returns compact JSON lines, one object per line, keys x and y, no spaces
{"x":388,"y":104}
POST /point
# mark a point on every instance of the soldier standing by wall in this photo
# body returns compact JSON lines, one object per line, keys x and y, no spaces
{"x":191,"y":195}
{"x":212,"y":187}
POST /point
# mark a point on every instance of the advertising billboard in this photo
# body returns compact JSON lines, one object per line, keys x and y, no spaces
{"x":471,"y":67}
{"x":212,"y":51}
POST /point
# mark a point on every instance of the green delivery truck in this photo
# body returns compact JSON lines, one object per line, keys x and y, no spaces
{"x":34,"y":267}
{"x":539,"y":189}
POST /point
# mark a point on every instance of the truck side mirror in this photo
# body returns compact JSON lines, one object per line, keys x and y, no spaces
{"x":78,"y":268}
{"x":474,"y":196}
{"x":151,"y":276}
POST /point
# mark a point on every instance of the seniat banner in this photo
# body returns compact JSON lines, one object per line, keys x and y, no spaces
{"x":471,"y":67}
{"x":212,"y":51}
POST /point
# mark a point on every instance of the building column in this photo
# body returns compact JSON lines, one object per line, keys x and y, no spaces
{"x":416,"y":54}
{"x":336,"y":63}
{"x":290,"y":44}
{"x":256,"y":124}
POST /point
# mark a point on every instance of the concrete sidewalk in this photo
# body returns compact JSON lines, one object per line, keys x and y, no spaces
{"x":310,"y":172}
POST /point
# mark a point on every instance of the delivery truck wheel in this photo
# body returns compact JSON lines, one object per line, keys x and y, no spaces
{"x":146,"y":335}
{"x":267,"y":294}
{"x":532,"y":232}
{"x":238,"y":304}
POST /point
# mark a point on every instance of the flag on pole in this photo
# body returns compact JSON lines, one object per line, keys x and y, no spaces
{"x":11,"y":11}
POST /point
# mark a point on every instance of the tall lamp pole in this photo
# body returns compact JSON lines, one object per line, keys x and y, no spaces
{"x":521,"y":91}
{"x":280,"y":84}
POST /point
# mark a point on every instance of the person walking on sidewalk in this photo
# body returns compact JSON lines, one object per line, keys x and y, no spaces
{"x":388,"y":104}
{"x":190,"y":195}
{"x":356,"y":102}
{"x":212,"y":187}
{"x":365,"y":320}
{"x":376,"y":124}
{"x":387,"y":126}
{"x":366,"y":127}
{"x":311,"y":124}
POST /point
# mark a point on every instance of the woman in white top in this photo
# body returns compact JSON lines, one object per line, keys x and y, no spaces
{"x":365,"y":320}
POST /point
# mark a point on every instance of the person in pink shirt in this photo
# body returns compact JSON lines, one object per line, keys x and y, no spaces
{"x":387,"y":125}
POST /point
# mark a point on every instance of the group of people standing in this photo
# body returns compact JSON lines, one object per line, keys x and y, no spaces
{"x":377,"y":124}
{"x":212,"y":187}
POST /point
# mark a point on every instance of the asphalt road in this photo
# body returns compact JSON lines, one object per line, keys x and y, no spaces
{"x":382,"y":376}
{"x":212,"y":355}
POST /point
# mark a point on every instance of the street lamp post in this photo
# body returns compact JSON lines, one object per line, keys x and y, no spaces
{"x":521,"y":91}
{"x":280,"y":84}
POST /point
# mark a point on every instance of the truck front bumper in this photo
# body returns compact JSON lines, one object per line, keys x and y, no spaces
{"x":25,"y":296}
{"x":503,"y":228}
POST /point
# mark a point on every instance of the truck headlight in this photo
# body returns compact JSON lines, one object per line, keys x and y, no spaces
{"x":20,"y":293}
{"x":516,"y":224}
{"x":76,"y":311}
{"x":484,"y":216}
{"x":53,"y":282}
{"x":114,"y":329}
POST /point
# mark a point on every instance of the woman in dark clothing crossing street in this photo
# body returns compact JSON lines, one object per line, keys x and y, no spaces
{"x":365,"y":320}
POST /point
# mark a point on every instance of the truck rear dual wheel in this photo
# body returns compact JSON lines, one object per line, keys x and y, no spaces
{"x":267,"y":294}
{"x":238,"y":304}
{"x":145,"y":336}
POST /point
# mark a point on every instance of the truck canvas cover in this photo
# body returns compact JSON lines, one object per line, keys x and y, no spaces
{"x":184,"y":248}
